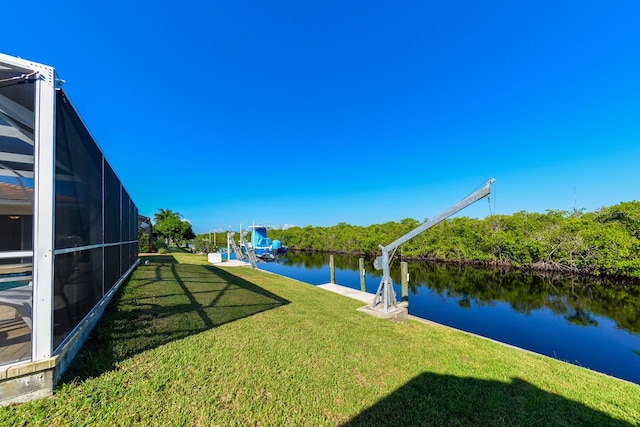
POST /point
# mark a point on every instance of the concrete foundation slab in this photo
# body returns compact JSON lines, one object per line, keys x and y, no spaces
{"x":233,"y":263}
{"x":365,"y":297}
{"x":394,"y":313}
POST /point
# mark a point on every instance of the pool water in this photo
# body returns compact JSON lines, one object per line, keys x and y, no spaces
{"x":13,"y":284}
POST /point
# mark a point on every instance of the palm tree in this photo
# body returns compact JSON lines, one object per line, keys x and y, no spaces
{"x":164,"y":214}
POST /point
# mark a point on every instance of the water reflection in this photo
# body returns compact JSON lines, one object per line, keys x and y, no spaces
{"x":591,"y":322}
{"x":577,"y":299}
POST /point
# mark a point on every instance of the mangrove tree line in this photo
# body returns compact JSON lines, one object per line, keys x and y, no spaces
{"x":604,"y":242}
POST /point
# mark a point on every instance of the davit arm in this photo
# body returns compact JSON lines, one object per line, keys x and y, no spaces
{"x":385,"y":293}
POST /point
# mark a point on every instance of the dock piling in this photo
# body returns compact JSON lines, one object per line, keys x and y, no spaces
{"x":332,"y":269}
{"x":404,"y":273}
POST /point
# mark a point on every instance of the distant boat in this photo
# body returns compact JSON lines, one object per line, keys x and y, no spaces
{"x":265,"y":248}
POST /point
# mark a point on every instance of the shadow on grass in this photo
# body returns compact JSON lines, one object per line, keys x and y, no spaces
{"x":443,"y":400}
{"x":164,"y":301}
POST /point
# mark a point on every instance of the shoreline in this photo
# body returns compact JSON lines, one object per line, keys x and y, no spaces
{"x":541,"y":268}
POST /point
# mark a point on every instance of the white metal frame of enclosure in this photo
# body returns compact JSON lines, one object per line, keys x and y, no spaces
{"x":44,"y":166}
{"x":43,"y":212}
{"x":43,"y":123}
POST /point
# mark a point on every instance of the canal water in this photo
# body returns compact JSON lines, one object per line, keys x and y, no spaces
{"x":593,"y":323}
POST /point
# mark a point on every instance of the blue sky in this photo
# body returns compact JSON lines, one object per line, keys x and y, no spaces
{"x":320,"y":112}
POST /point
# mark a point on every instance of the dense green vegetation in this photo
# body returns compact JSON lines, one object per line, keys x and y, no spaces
{"x":604,"y":242}
{"x":189,"y":344}
{"x":144,"y":241}
{"x":171,"y":226}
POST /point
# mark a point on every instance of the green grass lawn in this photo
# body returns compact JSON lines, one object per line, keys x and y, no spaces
{"x":186,"y":343}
